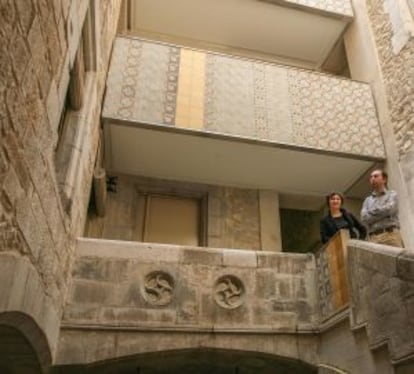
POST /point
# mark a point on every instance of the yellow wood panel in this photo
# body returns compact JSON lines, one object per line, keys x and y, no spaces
{"x":172,"y":220}
{"x":190,"y":94}
{"x":337,"y":264}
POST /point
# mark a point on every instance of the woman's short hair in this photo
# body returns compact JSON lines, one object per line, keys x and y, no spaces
{"x":334,"y":193}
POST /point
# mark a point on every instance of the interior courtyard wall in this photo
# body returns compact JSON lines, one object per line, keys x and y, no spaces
{"x":372,"y":58}
{"x":398,"y":70}
{"x":232,"y":217}
{"x":37,"y":39}
{"x":350,"y":351}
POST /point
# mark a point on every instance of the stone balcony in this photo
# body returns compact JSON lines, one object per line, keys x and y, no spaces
{"x":168,"y":287}
{"x":294,"y":32}
{"x":130,"y":303}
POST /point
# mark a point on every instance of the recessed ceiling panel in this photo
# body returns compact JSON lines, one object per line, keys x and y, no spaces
{"x":173,"y":155}
{"x":250,"y":25}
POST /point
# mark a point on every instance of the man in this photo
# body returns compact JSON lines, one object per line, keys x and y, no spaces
{"x":380,"y":212}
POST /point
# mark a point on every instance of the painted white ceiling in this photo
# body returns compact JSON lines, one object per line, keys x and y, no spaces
{"x":294,"y":35}
{"x":184,"y":156}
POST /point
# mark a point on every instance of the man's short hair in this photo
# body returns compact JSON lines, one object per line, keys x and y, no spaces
{"x":383,"y":173}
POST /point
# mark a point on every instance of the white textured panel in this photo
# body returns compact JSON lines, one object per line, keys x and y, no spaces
{"x":201,"y":159}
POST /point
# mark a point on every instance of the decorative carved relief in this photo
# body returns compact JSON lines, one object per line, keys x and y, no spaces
{"x":229,"y":292}
{"x":159,"y":288}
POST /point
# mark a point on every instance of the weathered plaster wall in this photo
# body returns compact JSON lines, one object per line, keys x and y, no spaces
{"x":233,"y":217}
{"x":38,"y":40}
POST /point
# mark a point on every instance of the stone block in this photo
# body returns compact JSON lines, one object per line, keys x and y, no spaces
{"x":289,"y":263}
{"x":380,"y":258}
{"x":37,"y":45}
{"x":53,"y":106}
{"x":142,"y":252}
{"x":405,"y":265}
{"x":133,"y":295}
{"x":136,"y":316}
{"x":81,"y":313}
{"x":265,"y":285}
{"x":90,"y":292}
{"x":201,"y":256}
{"x":20,"y":56}
{"x":284,"y":321}
{"x":16,"y":105}
{"x":114,"y":270}
{"x":239,"y":258}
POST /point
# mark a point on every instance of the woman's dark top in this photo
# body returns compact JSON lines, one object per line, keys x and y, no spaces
{"x":330,"y":225}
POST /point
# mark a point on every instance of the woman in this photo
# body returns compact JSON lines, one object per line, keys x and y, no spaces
{"x":338,"y":218}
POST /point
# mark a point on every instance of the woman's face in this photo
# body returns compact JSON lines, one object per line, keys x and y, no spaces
{"x":335,"y":201}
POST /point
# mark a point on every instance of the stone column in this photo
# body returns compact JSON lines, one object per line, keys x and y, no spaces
{"x":270,"y":232}
{"x":365,"y":65}
{"x":77,"y":81}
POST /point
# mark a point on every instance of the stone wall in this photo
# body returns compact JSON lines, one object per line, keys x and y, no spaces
{"x":374,"y":56}
{"x":382,"y":292}
{"x":38,"y":40}
{"x":231,"y":216}
{"x":184,"y":294}
{"x":398,"y":70}
{"x":393,"y":28}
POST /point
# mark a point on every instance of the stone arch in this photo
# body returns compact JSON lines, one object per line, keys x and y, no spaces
{"x":197,"y":360}
{"x":25,"y":307}
{"x":23,"y":345}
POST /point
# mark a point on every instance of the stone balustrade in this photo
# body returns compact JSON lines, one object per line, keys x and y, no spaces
{"x":158,"y":286}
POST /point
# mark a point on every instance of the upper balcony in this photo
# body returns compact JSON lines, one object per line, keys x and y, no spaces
{"x":293,"y":32}
{"x":214,"y":116}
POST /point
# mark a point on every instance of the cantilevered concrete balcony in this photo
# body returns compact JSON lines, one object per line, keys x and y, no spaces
{"x":175,"y":113}
{"x":296,"y":32}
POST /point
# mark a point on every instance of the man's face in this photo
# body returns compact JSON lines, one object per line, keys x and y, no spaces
{"x":377,"y":180}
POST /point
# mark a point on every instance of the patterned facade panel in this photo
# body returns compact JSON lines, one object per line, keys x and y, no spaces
{"x":334,"y":6}
{"x":166,"y":85}
{"x":247,"y":98}
{"x":142,"y":82}
{"x":229,"y":96}
{"x":334,"y":114}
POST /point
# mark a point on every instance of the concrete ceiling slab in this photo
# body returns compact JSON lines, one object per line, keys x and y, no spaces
{"x":297,"y":36}
{"x":206,"y":158}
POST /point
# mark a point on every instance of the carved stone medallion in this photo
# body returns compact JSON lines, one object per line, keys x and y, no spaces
{"x":158,"y":288}
{"x":229,"y":292}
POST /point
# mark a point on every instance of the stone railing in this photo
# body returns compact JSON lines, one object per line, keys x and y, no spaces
{"x":331,"y":262}
{"x":161,"y":85}
{"x":165,"y":287}
{"x":381,"y":280}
